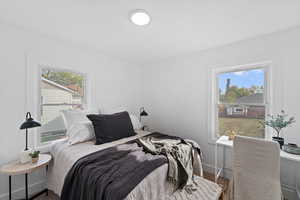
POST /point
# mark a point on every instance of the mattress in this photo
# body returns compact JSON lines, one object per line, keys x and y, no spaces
{"x":154,"y":186}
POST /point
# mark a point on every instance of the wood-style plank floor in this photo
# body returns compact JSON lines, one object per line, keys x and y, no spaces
{"x":51,"y":196}
{"x":223,"y":182}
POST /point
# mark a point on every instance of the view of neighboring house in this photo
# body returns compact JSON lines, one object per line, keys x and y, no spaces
{"x":78,"y":93}
{"x":54,"y":99}
{"x":244,"y":108}
{"x":241,"y":103}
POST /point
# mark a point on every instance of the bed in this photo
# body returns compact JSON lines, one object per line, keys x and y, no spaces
{"x":154,"y":186}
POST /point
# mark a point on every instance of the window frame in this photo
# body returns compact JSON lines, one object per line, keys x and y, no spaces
{"x":39,"y":102}
{"x":266,"y":66}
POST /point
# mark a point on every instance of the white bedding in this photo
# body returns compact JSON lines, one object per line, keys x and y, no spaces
{"x":153,"y":187}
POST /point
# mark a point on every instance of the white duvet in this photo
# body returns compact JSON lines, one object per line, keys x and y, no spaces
{"x":153,"y":187}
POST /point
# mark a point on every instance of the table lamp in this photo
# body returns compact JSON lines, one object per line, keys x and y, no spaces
{"x":142,"y":114}
{"x":29,"y":123}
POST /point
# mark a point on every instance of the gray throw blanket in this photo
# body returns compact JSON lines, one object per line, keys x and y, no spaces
{"x":109,"y":174}
{"x":180,"y":154}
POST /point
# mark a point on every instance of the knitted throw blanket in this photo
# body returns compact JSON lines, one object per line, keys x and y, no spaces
{"x":180,"y":157}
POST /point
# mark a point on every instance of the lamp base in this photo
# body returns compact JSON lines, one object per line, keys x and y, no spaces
{"x":24,"y":156}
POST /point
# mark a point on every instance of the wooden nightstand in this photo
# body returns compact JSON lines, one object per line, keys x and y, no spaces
{"x":16,"y":168}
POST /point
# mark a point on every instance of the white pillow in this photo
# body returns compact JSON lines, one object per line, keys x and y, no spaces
{"x":80,"y":132}
{"x":73,"y":117}
{"x":135,"y":122}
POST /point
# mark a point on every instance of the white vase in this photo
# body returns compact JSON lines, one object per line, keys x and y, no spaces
{"x":24,"y":156}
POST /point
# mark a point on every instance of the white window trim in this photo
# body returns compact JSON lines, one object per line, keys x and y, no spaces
{"x":268,"y":93}
{"x":32,"y":103}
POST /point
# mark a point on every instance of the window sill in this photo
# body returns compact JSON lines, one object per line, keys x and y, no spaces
{"x":221,"y":141}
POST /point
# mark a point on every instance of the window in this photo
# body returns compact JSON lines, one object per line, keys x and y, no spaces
{"x":241,"y":101}
{"x":59,"y":90}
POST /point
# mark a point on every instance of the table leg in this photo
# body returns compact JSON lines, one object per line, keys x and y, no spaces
{"x":47,"y":192}
{"x":26,"y":186}
{"x":224,"y":162}
{"x":216,"y":163}
{"x":9,"y":187}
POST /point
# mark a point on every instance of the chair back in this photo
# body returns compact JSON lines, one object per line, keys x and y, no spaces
{"x":256,"y":169}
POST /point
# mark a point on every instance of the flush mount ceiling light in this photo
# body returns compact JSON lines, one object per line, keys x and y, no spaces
{"x":140,"y":17}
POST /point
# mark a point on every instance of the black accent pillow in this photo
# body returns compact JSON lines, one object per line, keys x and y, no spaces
{"x":109,"y":128}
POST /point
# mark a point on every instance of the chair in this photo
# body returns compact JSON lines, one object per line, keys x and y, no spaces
{"x":256,"y":169}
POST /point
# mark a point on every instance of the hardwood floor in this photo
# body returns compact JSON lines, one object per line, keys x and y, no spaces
{"x":51,"y":196}
{"x":222,"y":182}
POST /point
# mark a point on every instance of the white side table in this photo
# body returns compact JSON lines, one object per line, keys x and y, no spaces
{"x":16,"y":168}
{"x":223,"y":141}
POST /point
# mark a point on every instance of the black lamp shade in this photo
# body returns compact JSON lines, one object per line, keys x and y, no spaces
{"x":29,"y":123}
{"x":143,"y":112}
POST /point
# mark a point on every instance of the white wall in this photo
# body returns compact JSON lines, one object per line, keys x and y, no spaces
{"x":112,"y":82}
{"x":177,"y":90}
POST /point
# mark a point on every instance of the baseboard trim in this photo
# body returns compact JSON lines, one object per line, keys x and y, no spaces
{"x":20,"y":192}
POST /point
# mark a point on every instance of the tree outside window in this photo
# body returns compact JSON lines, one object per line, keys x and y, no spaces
{"x":241,"y":102}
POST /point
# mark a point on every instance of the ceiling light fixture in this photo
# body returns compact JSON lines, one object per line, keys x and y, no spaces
{"x":140,"y":17}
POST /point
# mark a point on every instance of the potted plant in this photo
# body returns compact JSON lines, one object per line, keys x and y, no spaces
{"x":34,"y":156}
{"x":278,"y":122}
